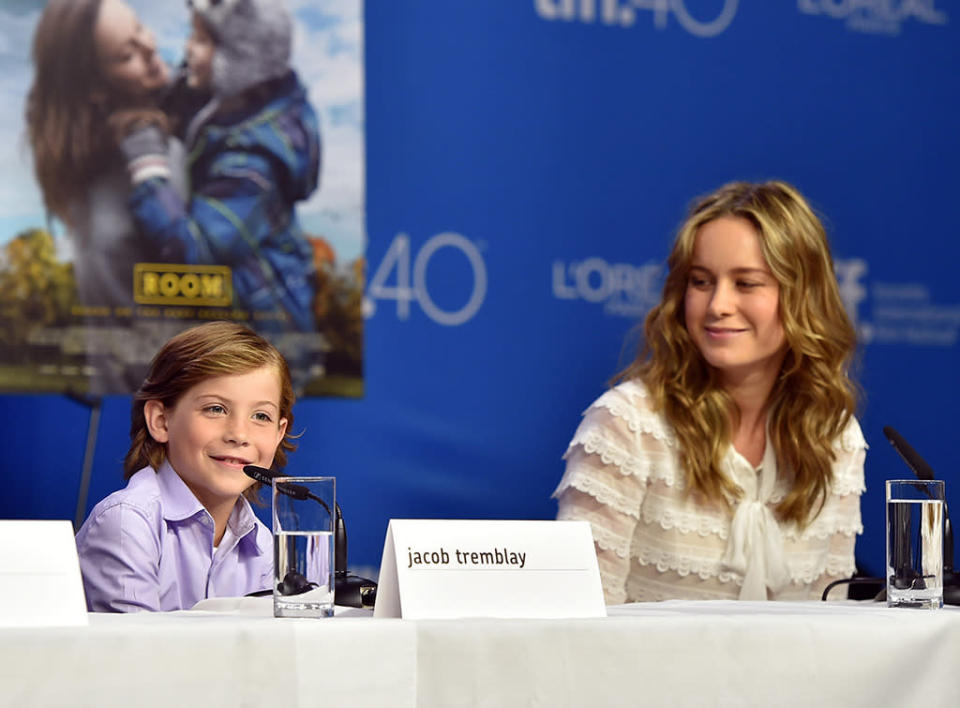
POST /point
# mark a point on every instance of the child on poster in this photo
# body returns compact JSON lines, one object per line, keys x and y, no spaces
{"x":218,"y":398}
{"x":254,"y":152}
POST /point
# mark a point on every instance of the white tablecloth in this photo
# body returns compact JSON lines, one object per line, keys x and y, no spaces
{"x":235,"y":656}
{"x":698,"y":654}
{"x":672,"y":653}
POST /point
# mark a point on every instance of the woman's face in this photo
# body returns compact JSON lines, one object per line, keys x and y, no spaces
{"x":732,"y":301}
{"x":126,"y":52}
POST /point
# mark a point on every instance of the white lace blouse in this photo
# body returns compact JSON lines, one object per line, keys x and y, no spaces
{"x":654,"y":542}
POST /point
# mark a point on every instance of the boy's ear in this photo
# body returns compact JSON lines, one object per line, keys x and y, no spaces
{"x":156,"y":418}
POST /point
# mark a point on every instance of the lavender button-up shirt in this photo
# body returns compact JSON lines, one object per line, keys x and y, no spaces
{"x":149,"y":546}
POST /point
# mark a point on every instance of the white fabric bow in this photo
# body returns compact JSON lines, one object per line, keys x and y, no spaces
{"x":755,"y":551}
{"x":755,"y":546}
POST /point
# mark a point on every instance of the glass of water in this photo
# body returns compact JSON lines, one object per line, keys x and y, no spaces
{"x":915,"y":543}
{"x":304,"y":524}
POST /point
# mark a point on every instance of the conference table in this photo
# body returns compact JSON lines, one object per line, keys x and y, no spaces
{"x":232,"y":652}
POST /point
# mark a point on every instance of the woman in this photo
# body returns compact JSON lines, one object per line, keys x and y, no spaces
{"x":95,"y":65}
{"x":727,"y":462}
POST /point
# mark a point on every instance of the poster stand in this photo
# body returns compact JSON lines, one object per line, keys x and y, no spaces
{"x":95,"y":404}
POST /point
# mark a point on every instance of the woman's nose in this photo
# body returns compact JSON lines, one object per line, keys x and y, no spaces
{"x":722,"y":300}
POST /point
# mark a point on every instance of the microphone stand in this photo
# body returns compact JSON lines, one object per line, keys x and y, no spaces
{"x":923,"y":471}
{"x":349,"y":590}
{"x":951,"y":579}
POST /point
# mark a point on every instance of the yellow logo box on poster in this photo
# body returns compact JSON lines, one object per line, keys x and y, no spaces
{"x":178,"y":284}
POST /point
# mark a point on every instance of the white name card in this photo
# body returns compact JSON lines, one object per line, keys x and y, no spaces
{"x":434,"y":569}
{"x":40,"y":582}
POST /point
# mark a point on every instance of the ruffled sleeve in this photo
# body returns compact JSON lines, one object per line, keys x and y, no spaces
{"x":608,"y":465}
{"x":841,"y":514}
{"x":834,"y":531}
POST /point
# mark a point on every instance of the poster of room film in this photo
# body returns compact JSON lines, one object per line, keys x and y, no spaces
{"x":247,"y":206}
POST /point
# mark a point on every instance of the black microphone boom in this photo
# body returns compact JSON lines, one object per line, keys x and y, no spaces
{"x":350,"y":590}
{"x":909,"y":455}
{"x":297,"y":491}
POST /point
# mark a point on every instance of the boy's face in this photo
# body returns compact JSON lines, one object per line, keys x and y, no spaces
{"x":216,"y":428}
{"x":200,"y":48}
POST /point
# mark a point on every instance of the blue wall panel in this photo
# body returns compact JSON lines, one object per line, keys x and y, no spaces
{"x":526,"y":170}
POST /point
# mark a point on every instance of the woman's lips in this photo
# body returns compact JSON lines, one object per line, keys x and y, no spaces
{"x":722,"y":332}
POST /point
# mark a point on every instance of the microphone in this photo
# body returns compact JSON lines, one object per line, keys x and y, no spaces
{"x":909,"y":455}
{"x":349,"y":590}
{"x":923,"y":471}
{"x":297,"y":491}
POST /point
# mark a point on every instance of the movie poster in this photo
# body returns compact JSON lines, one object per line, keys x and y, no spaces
{"x":171,"y":163}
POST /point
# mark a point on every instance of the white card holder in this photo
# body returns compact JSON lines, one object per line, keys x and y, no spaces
{"x":437,"y":569}
{"x":40,"y":582}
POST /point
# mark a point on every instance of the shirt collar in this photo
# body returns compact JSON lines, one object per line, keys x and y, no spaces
{"x":755,"y":487}
{"x":243,"y":525}
{"x":179,"y":503}
{"x":768,"y":471}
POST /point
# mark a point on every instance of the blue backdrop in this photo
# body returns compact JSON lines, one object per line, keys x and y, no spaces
{"x":528,"y":162}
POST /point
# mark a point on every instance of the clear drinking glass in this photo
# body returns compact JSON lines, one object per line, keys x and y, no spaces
{"x":915,"y":543}
{"x":303,"y":551}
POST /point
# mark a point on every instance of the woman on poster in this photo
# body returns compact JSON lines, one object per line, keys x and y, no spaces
{"x":94,"y":62}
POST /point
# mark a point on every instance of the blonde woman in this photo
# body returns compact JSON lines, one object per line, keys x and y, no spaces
{"x":727,"y":462}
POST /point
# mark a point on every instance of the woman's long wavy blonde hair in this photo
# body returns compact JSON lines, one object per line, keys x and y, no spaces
{"x":813,"y":397}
